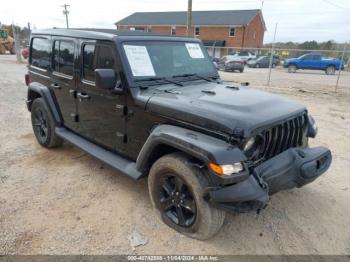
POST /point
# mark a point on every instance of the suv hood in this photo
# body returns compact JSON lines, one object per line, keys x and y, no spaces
{"x":221,"y":108}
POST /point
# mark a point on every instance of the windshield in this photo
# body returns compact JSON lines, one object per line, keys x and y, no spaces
{"x":167,"y":59}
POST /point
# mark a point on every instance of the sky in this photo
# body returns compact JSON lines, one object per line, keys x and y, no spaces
{"x":298,"y":20}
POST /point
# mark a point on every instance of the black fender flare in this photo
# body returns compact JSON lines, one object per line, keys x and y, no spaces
{"x":201,"y":146}
{"x":35,"y":90}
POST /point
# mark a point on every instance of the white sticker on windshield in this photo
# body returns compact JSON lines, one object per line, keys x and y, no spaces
{"x":139,"y":60}
{"x":194,"y":50}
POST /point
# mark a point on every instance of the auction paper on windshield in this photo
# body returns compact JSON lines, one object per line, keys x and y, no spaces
{"x":194,"y":50}
{"x":139,"y":60}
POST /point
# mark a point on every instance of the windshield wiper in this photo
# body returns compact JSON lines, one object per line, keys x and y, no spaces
{"x":159,"y":79}
{"x":195,"y":74}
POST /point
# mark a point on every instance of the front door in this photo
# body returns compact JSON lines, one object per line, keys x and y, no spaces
{"x":100,"y":111}
{"x":63,"y":79}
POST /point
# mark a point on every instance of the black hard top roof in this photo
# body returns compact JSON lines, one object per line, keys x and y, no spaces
{"x":97,"y":33}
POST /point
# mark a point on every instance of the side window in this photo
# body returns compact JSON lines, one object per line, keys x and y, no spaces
{"x":88,"y":62}
{"x":173,"y":30}
{"x":99,"y":56}
{"x":105,"y":57}
{"x":232,"y":31}
{"x":40,"y":53}
{"x":63,"y":61}
{"x":197,"y":31}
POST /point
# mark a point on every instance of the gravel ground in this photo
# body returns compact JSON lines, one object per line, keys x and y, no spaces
{"x":314,"y":80}
{"x":63,"y":201}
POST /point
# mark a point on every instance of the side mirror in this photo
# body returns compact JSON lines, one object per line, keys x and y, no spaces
{"x":105,"y":78}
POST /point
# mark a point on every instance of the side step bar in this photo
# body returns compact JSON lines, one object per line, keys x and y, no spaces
{"x":117,"y":162}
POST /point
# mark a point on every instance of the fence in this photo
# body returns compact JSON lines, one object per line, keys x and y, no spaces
{"x":272,"y":72}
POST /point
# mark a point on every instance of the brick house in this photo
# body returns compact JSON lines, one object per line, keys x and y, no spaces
{"x":236,"y":29}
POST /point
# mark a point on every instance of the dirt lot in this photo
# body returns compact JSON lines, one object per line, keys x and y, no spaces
{"x":63,"y":201}
{"x":315,"y":80}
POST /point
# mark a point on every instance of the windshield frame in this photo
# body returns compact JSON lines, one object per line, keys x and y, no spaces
{"x":134,"y":82}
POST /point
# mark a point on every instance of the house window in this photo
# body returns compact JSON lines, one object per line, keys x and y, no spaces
{"x":197,"y":31}
{"x":149,"y":28}
{"x":232,"y":31}
{"x":173,"y":30}
{"x":254,"y":35}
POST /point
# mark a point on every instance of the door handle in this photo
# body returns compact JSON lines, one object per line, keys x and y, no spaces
{"x":83,"y":96}
{"x":55,"y":86}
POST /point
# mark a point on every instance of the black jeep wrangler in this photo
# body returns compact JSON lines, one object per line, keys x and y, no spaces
{"x":154,"y":106}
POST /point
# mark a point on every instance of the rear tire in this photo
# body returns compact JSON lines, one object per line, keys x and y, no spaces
{"x":292,"y":69}
{"x":44,"y":125}
{"x":330,"y":70}
{"x":241,"y":70}
{"x":176,"y":190}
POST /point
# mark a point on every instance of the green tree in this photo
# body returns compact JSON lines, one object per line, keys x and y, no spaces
{"x":329,"y":45}
{"x":309,"y":45}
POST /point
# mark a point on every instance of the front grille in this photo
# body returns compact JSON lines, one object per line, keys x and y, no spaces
{"x":282,"y":137}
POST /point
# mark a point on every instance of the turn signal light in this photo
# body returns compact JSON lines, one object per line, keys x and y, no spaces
{"x":226,"y":170}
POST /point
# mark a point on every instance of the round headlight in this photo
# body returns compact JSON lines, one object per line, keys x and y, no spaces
{"x":249,"y":144}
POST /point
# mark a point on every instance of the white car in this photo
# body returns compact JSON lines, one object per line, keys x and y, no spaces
{"x":245,"y":56}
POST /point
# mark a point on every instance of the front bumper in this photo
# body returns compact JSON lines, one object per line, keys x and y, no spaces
{"x":294,"y":167}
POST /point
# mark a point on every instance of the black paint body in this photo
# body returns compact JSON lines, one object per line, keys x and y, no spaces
{"x":207,"y":120}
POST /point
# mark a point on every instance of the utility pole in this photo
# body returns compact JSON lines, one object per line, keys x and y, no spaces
{"x":17,"y":46}
{"x":66,"y":12}
{"x":341,"y":64}
{"x":189,"y":18}
{"x":271,"y":56}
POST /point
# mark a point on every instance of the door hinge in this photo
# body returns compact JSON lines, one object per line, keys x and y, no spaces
{"x":122,"y":110}
{"x":75,"y":117}
{"x":122,"y":137}
{"x":73,"y":93}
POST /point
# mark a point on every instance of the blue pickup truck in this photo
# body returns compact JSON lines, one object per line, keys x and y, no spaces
{"x":313,"y":61}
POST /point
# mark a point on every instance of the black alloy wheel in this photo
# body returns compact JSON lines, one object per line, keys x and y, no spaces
{"x":177,"y":201}
{"x":40,"y":125}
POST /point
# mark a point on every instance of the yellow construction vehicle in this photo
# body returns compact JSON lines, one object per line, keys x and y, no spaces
{"x":7,"y":43}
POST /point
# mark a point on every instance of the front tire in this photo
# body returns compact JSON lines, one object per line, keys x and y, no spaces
{"x":177,"y":192}
{"x":44,"y":125}
{"x":292,"y":69}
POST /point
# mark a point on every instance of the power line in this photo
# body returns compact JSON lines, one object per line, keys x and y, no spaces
{"x":336,"y":5}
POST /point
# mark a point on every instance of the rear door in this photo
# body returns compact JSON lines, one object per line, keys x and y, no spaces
{"x":101,"y":112}
{"x":63,"y":79}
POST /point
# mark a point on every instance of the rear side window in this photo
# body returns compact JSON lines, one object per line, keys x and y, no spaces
{"x":41,"y":53}
{"x":63,"y":61}
{"x":99,"y":56}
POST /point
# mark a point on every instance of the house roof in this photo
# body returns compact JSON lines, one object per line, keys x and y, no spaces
{"x":222,"y":17}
